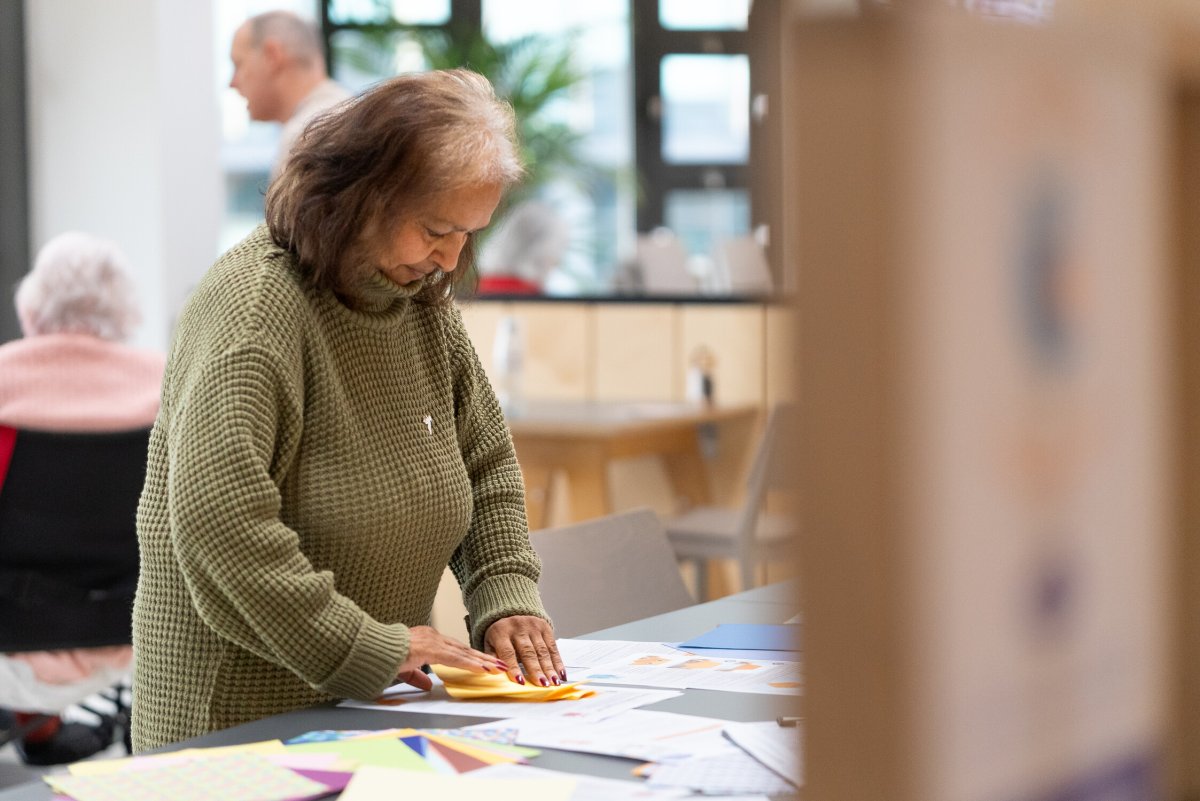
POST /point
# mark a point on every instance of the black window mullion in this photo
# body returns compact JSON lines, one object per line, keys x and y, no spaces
{"x":651,"y":43}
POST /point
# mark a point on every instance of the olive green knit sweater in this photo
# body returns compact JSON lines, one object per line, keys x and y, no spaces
{"x":312,"y":471}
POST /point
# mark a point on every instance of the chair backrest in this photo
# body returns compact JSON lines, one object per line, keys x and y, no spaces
{"x":68,"y":540}
{"x":769,"y":468}
{"x":608,"y":571}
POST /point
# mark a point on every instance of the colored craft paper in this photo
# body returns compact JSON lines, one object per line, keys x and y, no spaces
{"x":464,"y":736}
{"x":492,"y":734}
{"x":463,"y":684}
{"x":334,"y":780}
{"x":240,"y":777}
{"x":307,"y":761}
{"x":757,"y":636}
{"x":327,"y":735}
{"x":381,"y":752}
{"x":438,"y":762}
{"x":481,"y":751}
{"x":99,"y":767}
{"x":381,"y":784}
{"x":606,"y":702}
{"x":416,"y":742}
{"x":461,"y":762}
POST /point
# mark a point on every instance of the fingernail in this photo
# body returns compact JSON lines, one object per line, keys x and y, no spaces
{"x":543,"y":682}
{"x":563,"y":673}
{"x":520,"y":679}
{"x":555,"y":680}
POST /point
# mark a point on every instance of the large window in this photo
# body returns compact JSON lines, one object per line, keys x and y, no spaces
{"x":692,"y":79}
{"x":654,"y":132}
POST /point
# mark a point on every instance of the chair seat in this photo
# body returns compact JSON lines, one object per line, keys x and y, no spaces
{"x":713,"y":531}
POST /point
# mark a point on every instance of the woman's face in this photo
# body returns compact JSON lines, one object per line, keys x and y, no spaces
{"x":432,"y":238}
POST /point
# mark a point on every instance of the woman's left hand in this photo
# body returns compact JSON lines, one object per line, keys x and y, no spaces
{"x":524,"y":641}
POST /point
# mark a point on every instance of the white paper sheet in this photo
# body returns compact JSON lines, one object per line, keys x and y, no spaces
{"x":677,"y":670}
{"x":606,"y":702}
{"x":736,"y":772}
{"x":590,"y":653}
{"x":777,"y":747}
{"x":636,"y":734}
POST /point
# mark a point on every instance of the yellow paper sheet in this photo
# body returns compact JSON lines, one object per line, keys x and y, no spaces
{"x":463,"y":684}
{"x":383,"y":784}
{"x":103,"y":766}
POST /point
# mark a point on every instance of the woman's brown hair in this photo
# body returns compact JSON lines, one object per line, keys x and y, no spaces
{"x":359,"y":169}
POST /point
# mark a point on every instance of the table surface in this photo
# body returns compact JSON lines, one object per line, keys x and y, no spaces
{"x":604,"y":419}
{"x":775,"y":603}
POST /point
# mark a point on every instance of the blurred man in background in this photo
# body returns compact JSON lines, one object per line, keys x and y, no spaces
{"x":279,"y":67}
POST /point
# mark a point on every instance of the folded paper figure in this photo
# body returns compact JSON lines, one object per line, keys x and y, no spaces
{"x":463,"y":684}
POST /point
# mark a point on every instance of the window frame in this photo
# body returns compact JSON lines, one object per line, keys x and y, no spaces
{"x":650,"y":43}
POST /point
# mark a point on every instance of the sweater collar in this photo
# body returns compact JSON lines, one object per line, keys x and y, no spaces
{"x":378,"y":293}
{"x":380,"y":302}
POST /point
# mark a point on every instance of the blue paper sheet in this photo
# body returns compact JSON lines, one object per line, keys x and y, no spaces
{"x":755,"y":636}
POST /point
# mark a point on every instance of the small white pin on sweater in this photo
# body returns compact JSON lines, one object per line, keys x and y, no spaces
{"x":428,"y":421}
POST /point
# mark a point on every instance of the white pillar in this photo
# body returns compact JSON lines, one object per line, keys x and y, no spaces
{"x":124,"y":136}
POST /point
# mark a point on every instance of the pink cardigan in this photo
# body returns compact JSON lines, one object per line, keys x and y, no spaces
{"x":74,"y":382}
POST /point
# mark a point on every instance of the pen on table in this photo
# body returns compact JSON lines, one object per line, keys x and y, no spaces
{"x":789,"y":720}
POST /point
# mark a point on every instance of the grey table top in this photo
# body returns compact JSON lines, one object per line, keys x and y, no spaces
{"x":775,"y":603}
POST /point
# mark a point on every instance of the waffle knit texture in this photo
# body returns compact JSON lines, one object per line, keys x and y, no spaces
{"x":312,"y":472}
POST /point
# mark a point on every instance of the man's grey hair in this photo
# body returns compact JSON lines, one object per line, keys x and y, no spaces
{"x":299,"y":37}
{"x":79,"y":284}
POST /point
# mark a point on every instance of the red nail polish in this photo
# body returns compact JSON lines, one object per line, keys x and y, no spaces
{"x":520,"y":679}
{"x":542,"y":681}
{"x":555,"y":680}
{"x":563,"y":673}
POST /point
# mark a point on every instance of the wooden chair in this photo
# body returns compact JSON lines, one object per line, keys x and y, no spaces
{"x":747,"y":533}
{"x":608,"y":571}
{"x":68,"y":545}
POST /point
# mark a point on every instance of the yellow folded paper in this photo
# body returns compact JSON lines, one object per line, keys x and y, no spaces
{"x":465,"y":684}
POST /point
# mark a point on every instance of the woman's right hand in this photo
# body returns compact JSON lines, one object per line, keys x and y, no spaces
{"x":426,"y":646}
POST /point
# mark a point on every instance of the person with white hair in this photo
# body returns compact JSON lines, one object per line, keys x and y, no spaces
{"x":279,"y":67}
{"x":529,"y":245}
{"x":72,"y":371}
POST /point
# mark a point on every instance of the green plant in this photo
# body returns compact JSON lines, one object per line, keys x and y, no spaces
{"x":532,"y":73}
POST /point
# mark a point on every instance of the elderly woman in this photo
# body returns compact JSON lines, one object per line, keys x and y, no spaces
{"x":328,"y":441}
{"x":72,"y":372}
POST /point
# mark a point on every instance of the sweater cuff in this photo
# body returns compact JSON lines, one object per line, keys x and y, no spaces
{"x":371,"y":665}
{"x":499,"y":597}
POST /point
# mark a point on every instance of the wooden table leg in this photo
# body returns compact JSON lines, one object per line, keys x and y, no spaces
{"x":588,"y":492}
{"x":537,"y":494}
{"x":688,"y":477}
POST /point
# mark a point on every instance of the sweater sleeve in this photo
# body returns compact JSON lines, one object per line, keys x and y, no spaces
{"x":495,"y":565}
{"x":234,"y":430}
